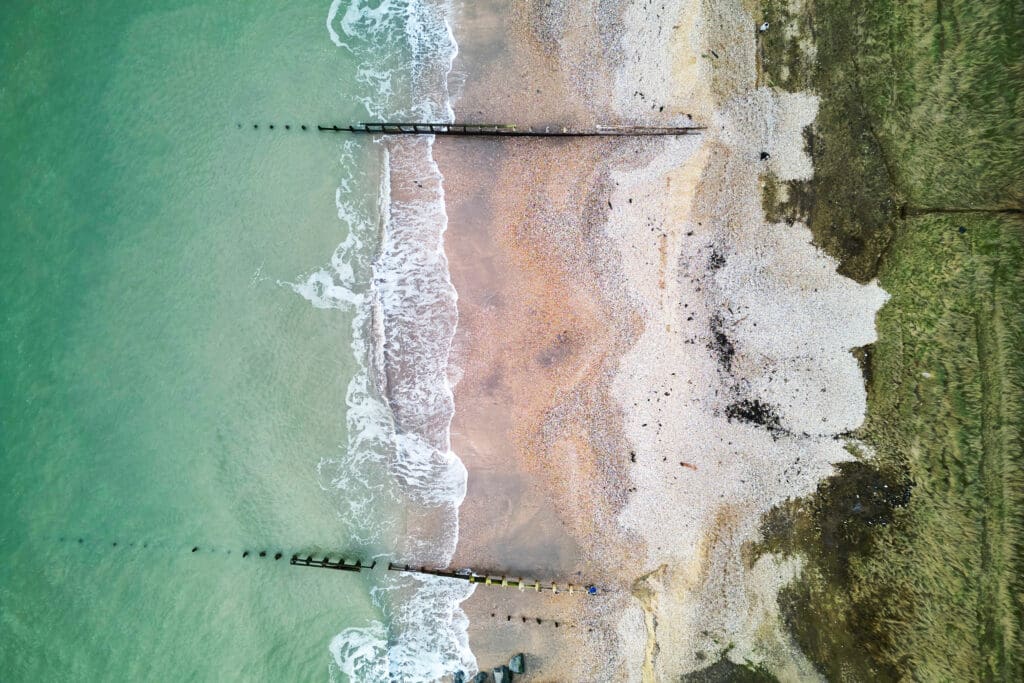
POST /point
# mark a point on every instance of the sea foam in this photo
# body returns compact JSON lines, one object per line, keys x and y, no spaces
{"x":399,"y":403}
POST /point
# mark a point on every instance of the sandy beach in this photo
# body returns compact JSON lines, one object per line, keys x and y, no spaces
{"x":643,"y":365}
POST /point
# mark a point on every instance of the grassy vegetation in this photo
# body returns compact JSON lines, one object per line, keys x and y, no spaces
{"x":915,"y":566}
{"x":922,"y":107}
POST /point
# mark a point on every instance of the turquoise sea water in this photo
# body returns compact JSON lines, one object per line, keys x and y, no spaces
{"x":163,"y":380}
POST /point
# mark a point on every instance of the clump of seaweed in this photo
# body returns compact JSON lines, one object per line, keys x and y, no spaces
{"x":754,"y":411}
{"x":720,"y":344}
{"x":716,"y":261}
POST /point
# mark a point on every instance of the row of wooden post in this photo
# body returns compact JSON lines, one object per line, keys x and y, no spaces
{"x":522,"y":584}
{"x":326,"y":563}
{"x":503,"y":581}
{"x":340,"y":564}
{"x":508,"y":130}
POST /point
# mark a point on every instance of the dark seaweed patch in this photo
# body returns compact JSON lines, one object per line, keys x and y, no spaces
{"x":847,"y":505}
{"x":725,"y":671}
{"x":716,"y":260}
{"x":720,"y":343}
{"x":863,"y":355}
{"x":755,"y":412}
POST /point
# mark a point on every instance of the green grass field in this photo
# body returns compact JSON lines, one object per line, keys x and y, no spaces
{"x":914,"y":555}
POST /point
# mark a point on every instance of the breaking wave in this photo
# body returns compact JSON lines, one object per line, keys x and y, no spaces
{"x":391,"y":275}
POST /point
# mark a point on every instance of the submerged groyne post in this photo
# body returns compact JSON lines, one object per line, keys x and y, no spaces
{"x":326,"y":563}
{"x":297,"y":560}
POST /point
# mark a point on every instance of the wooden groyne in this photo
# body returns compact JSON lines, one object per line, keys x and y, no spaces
{"x":326,"y":563}
{"x":319,"y":560}
{"x":509,"y":130}
{"x":503,"y":581}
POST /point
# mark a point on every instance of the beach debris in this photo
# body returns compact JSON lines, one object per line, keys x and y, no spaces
{"x":765,"y":155}
{"x":763,"y":27}
{"x":501,"y":674}
{"x":688,"y":465}
{"x":517,"y":664}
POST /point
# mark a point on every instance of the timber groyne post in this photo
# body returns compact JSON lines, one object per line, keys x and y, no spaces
{"x":509,"y":130}
{"x":326,"y":563}
{"x":503,"y":581}
{"x":489,"y":130}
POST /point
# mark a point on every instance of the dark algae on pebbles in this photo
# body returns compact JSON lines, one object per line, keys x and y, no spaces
{"x":913,"y":554}
{"x":725,"y":671}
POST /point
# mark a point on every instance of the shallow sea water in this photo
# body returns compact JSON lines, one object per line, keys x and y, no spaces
{"x":163,"y":384}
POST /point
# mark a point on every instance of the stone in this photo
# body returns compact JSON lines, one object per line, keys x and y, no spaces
{"x":517,"y":664}
{"x":480,"y":677}
{"x":459,"y":677}
{"x":502,"y":674}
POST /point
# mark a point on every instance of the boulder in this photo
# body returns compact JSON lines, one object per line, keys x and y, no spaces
{"x":502,"y":674}
{"x":480,"y":677}
{"x":459,"y":677}
{"x":517,"y":664}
